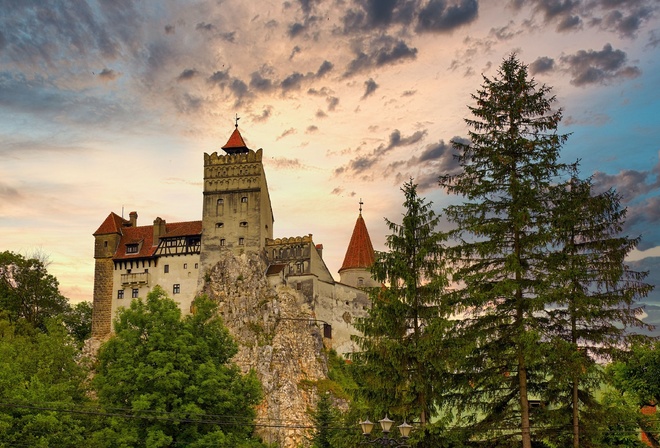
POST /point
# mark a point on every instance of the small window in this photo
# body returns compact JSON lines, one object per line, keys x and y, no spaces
{"x":131,"y":248}
{"x":120,"y":294}
{"x":134,"y":293}
{"x":176,"y":289}
{"x":219,"y":225}
{"x":241,"y":241}
{"x":360,"y":281}
{"x":298,"y":286}
{"x":244,"y":199}
{"x":146,"y":271}
{"x":185,"y":265}
{"x":221,"y":201}
{"x":166,"y":268}
{"x":105,"y":244}
{"x":222,"y":242}
{"x":196,"y":265}
{"x":128,"y":271}
{"x":243,"y":224}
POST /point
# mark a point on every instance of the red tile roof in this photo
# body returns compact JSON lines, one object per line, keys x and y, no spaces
{"x":144,"y":236}
{"x":360,"y":252}
{"x":112,"y":224}
{"x":235,"y":144}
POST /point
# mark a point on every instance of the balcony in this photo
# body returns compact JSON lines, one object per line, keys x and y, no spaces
{"x":139,"y":278}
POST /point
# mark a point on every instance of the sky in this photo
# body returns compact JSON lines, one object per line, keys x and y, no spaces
{"x":108,"y":106}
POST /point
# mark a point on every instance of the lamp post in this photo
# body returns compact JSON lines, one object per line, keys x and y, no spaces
{"x":387,"y":439}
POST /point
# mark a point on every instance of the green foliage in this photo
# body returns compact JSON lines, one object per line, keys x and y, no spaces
{"x":593,"y":294}
{"x":175,"y":376}
{"x":324,"y":420}
{"x":503,"y":230}
{"x":39,"y":376}
{"x":78,"y":320}
{"x":400,"y":363}
{"x":28,"y":291}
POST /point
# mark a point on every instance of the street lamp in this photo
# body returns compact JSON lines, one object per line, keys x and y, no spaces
{"x":386,"y":439}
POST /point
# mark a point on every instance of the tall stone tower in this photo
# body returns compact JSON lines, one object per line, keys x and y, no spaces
{"x":106,"y":240}
{"x":236,"y":212}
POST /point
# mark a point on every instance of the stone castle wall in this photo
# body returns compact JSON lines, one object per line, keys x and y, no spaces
{"x":103,"y":289}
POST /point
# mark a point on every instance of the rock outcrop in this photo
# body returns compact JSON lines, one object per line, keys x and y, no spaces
{"x":277,"y":337}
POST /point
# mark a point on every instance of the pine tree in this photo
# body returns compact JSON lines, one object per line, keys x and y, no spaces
{"x":395,"y":363}
{"x":503,"y":232}
{"x":594,"y":293}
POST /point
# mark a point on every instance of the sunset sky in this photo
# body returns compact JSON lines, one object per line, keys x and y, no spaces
{"x":110,"y":105}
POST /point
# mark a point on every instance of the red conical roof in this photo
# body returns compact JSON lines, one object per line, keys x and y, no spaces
{"x":235,"y":144}
{"x":112,"y":224}
{"x":360,"y":252}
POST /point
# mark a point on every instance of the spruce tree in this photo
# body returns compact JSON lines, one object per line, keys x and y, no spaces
{"x":594,"y":295}
{"x":503,"y":232}
{"x":395,"y":365}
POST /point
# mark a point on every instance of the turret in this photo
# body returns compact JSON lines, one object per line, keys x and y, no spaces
{"x":359,"y":257}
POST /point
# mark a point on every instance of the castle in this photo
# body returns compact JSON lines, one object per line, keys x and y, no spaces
{"x":237,"y":216}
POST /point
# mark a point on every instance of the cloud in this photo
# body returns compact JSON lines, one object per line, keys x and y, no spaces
{"x":108,"y":74}
{"x":542,"y":65}
{"x":289,"y":131}
{"x":505,"y":32}
{"x":294,"y":51}
{"x":292,"y":82}
{"x":311,"y":129}
{"x":187,"y":75}
{"x":598,"y":67}
{"x":325,"y":68}
{"x":370,"y":87}
{"x":383,"y":50}
{"x":436,"y":159}
{"x":362,"y":163}
{"x":333,"y":102}
{"x":438,"y":16}
{"x":265,"y":114}
{"x":259,"y":83}
{"x":203,"y":26}
{"x":286,"y":164}
{"x":170,"y":29}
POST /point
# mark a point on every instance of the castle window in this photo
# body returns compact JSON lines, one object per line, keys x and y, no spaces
{"x":360,"y":281}
{"x":219,"y":225}
{"x":298,"y":286}
{"x":244,"y":199}
{"x":176,"y":288}
{"x":196,"y":265}
{"x":222,"y":242}
{"x":243,"y":224}
{"x":146,"y":271}
{"x":105,"y":244}
{"x":221,"y":201}
{"x":131,"y":248}
{"x":120,"y":293}
{"x":134,"y":293}
{"x":166,"y":268}
{"x":185,"y":265}
{"x":241,"y":241}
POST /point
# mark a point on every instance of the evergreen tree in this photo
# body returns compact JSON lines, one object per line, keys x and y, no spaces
{"x":323,"y":418}
{"x":594,"y":295}
{"x":503,"y":231}
{"x":395,"y":365}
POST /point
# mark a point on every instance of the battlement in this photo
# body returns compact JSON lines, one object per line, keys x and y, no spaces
{"x":286,"y":241}
{"x":232,"y":159}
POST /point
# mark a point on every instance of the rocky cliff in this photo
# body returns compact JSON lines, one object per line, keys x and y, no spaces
{"x":277,"y":337}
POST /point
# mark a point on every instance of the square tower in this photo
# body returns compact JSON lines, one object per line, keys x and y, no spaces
{"x":236,"y":214}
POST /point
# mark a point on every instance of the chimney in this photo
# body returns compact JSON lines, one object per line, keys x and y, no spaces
{"x":319,"y":249}
{"x":133,"y":218}
{"x":159,"y":230}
